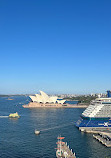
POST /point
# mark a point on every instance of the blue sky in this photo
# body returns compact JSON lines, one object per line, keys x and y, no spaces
{"x":59,"y":46}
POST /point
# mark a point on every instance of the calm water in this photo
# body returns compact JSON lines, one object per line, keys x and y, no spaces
{"x":17,"y":138}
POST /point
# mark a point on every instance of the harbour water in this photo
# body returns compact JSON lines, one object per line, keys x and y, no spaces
{"x":17,"y":138}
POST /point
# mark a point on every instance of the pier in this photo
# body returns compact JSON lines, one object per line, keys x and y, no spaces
{"x":104,"y":138}
{"x":63,"y":150}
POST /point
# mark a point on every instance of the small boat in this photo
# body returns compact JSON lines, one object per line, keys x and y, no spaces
{"x":10,"y":99}
{"x":37,"y":132}
{"x":14,"y":115}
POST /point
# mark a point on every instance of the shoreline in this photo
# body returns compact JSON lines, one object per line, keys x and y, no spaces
{"x":39,"y":105}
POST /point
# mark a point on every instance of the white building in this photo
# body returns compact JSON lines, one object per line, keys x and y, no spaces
{"x":44,"y":98}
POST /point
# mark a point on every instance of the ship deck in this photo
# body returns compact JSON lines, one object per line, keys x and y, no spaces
{"x":63,"y":149}
{"x":66,"y":149}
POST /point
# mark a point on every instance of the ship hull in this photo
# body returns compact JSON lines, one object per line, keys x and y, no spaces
{"x":93,"y":124}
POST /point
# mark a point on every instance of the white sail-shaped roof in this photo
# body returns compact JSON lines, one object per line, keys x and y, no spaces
{"x":34,"y":99}
{"x":39,"y":98}
{"x":61,"y":101}
{"x":53,"y":99}
{"x":44,"y":98}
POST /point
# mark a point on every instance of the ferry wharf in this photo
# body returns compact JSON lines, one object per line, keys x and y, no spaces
{"x":63,"y":150}
{"x":104,"y":138}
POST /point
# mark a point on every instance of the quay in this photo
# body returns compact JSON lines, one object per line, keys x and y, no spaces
{"x":104,"y":138}
{"x":49,"y":105}
{"x":63,"y":150}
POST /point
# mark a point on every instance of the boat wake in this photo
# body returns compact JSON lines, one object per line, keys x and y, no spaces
{"x":65,"y":125}
{"x":4,"y":116}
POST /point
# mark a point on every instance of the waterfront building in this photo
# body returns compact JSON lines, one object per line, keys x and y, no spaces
{"x":44,"y":98}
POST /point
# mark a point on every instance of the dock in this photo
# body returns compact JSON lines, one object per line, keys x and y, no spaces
{"x":104,"y":138}
{"x":63,"y":150}
{"x":53,"y":105}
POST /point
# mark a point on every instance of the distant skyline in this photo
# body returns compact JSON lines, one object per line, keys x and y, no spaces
{"x":57,"y":46}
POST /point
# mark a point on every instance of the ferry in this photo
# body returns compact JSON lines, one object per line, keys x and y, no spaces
{"x":97,"y":115}
{"x":14,"y":115}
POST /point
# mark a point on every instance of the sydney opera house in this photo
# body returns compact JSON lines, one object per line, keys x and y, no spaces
{"x":45,"y":99}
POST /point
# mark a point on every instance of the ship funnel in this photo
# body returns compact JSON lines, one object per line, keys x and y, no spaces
{"x":109,"y":94}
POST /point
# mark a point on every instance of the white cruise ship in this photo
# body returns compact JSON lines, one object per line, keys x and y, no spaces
{"x":97,"y":115}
